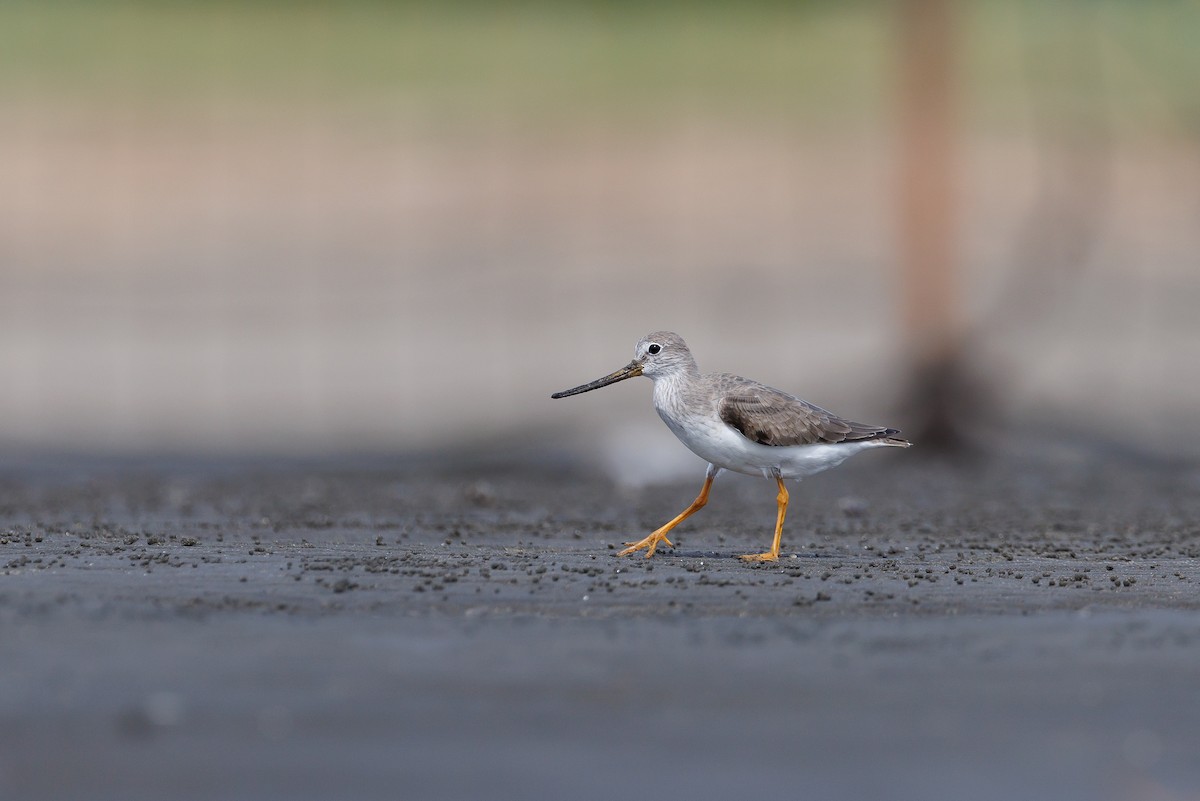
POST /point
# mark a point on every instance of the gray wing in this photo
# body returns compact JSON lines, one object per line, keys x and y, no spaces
{"x":771,"y":417}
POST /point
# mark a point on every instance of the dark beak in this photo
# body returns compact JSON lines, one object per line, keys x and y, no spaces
{"x":631,"y":370}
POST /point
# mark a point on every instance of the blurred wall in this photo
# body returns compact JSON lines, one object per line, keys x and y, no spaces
{"x":272,"y":227}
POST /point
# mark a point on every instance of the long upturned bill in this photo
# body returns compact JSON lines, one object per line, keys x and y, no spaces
{"x":631,"y":370}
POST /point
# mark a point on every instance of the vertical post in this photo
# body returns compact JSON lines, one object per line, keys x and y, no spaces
{"x":932,"y":308}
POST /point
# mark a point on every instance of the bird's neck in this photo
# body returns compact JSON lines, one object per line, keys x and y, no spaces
{"x":671,"y":389}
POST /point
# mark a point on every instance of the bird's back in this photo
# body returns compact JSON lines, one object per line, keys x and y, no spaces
{"x":771,"y":416}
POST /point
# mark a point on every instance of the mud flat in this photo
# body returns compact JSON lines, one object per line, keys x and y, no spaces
{"x":429,"y":629}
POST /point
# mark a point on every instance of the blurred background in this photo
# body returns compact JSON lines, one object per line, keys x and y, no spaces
{"x":291,"y":228}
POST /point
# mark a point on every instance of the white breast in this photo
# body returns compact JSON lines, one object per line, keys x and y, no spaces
{"x":710,"y":438}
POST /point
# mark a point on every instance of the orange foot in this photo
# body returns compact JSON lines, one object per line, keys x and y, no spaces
{"x":769,"y":556}
{"x":650,"y":543}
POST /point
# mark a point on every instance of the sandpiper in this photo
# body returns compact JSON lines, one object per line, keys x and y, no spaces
{"x":737,"y":424}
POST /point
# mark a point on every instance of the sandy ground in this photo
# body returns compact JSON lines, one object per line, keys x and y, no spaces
{"x":437,"y":629}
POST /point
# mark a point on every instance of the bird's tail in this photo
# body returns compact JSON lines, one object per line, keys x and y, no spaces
{"x":889,"y":437}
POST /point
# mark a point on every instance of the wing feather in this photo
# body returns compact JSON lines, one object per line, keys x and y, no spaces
{"x":771,"y":417}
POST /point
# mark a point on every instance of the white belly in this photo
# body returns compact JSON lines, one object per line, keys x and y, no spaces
{"x":719,"y":444}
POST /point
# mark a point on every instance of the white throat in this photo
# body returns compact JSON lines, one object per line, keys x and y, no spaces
{"x":669,"y":390}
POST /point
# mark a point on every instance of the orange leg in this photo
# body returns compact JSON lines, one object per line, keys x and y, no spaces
{"x":773,"y":554}
{"x":651,"y":542}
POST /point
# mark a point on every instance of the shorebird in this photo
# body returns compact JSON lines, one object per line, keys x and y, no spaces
{"x":737,"y":424}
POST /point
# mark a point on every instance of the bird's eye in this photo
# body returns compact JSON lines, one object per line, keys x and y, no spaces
{"x":654,"y":348}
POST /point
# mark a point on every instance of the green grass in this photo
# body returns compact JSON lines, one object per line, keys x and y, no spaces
{"x":820,"y":61}
{"x":1128,"y":63}
{"x":542,"y":59}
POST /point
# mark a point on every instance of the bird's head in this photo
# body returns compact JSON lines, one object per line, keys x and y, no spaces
{"x":656,"y":356}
